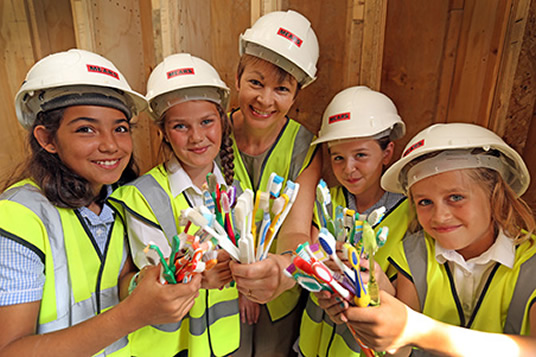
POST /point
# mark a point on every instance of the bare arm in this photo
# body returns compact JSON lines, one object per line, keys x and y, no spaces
{"x":150,"y":303}
{"x":393,"y":325}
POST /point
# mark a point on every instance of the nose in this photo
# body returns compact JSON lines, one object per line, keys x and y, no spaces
{"x":108,"y":143}
{"x":349,"y":167}
{"x":265,"y":97}
{"x":441,"y":212}
{"x":196,"y":134}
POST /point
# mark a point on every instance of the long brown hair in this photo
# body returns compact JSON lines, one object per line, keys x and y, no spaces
{"x":60,"y":185}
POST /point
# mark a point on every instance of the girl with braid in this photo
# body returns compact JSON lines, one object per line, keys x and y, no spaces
{"x":188,"y":101}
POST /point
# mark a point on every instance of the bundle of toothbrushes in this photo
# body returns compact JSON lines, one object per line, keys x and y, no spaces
{"x":189,"y":256}
{"x":358,"y":239}
{"x":229,"y":221}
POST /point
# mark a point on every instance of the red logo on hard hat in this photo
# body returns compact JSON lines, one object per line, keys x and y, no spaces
{"x":338,"y":117}
{"x":418,"y":144}
{"x":103,"y":70}
{"x":180,"y":72}
{"x":290,"y":36}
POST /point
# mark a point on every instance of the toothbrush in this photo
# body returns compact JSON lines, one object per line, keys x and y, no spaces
{"x":370,"y":245}
{"x":328,"y":243}
{"x":291,"y":192}
{"x":277,"y":209}
{"x":167,"y":273}
{"x":361,"y":298}
{"x":349,"y":223}
{"x":321,"y":272}
{"x":275,"y":182}
{"x":263,"y":231}
{"x":225,"y":207}
{"x":255,"y":208}
{"x":220,"y":237}
{"x":324,"y":197}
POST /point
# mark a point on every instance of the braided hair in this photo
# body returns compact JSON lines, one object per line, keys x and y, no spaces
{"x":226,"y":148}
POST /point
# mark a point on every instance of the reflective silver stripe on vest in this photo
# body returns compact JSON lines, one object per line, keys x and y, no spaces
{"x":521,"y":296}
{"x":160,"y":203}
{"x":317,"y":315}
{"x":417,"y":258}
{"x":68,"y":313}
{"x":198,"y":325}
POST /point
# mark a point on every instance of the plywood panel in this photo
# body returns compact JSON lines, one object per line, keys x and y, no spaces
{"x":29,"y":30}
{"x":329,"y":21}
{"x":230,"y":18}
{"x":477,"y":62}
{"x":414,"y":52}
{"x":509,"y":61}
{"x":520,"y":130}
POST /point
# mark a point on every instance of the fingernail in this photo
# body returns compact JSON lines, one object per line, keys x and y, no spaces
{"x":342,"y":305}
{"x":338,"y":299}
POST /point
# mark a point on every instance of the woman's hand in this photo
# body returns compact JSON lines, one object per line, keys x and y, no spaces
{"x":263,"y":281}
{"x":249,"y":310}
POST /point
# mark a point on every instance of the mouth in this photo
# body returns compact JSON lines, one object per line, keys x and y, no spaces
{"x":107,"y":164}
{"x":200,"y":150}
{"x":352,"y":180}
{"x":260,"y":113}
{"x":446,"y":229}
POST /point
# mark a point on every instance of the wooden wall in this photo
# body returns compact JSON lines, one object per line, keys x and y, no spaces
{"x":440,"y":61}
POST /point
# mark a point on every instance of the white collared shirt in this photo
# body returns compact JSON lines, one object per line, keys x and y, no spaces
{"x":180,"y":181}
{"x":140,"y":233}
{"x":470,"y":276}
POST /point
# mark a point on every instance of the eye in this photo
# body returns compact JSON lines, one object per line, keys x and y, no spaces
{"x":336,"y":158}
{"x":456,"y":198}
{"x":255,"y":83}
{"x":283,"y":89}
{"x":84,"y":129}
{"x":207,"y":122}
{"x":424,"y":202}
{"x":123,"y":129}
{"x":179,"y":126}
{"x":360,"y":155}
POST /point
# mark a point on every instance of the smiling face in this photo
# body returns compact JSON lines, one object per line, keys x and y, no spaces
{"x":358,"y":164}
{"x":456,"y":211}
{"x":264,"y":97}
{"x":94,"y":142}
{"x":194,"y":131}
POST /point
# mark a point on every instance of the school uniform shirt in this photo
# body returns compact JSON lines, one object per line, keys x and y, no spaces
{"x":470,"y":276}
{"x":141,"y":233}
{"x":22,"y":272}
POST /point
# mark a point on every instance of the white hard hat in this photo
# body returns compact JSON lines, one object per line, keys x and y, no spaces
{"x":285,"y":39}
{"x":182,"y":77}
{"x":455,"y":144}
{"x":359,"y":112}
{"x":74,"y":77}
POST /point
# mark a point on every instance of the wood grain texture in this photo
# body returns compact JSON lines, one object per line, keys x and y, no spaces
{"x":440,"y":61}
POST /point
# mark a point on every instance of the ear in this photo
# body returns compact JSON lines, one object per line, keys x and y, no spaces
{"x":43,"y":137}
{"x":237,"y":82}
{"x":388,"y":153}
